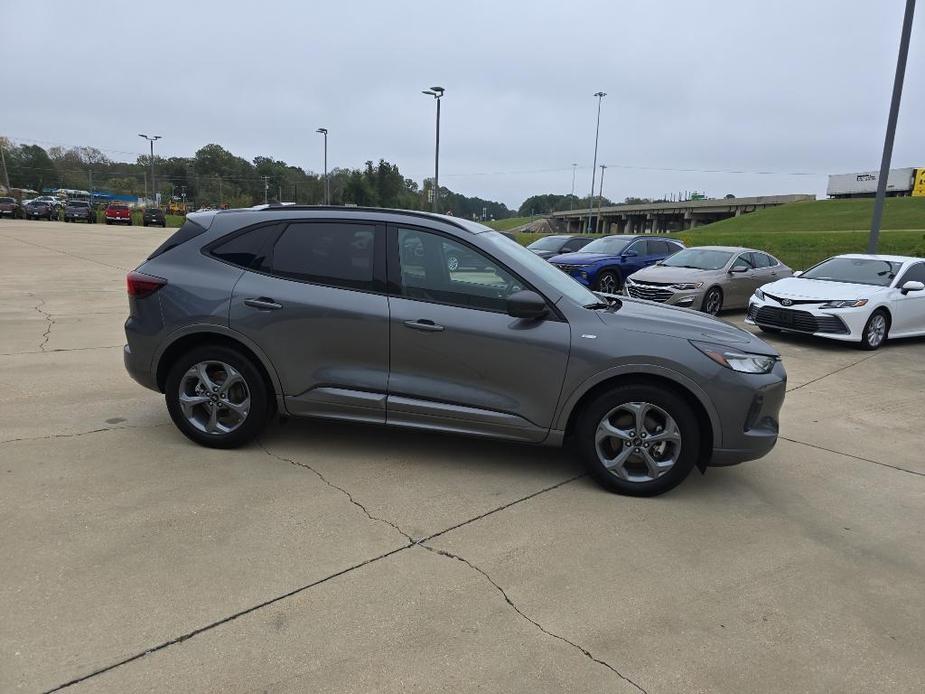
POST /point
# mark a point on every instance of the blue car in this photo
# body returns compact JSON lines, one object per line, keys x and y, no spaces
{"x":605,"y":263}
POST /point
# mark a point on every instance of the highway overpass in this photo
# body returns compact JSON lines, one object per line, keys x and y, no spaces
{"x":661,"y":217}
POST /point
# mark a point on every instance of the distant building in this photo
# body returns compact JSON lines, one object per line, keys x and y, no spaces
{"x":900,"y":183}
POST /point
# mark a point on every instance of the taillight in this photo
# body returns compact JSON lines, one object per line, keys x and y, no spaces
{"x":140,"y":285}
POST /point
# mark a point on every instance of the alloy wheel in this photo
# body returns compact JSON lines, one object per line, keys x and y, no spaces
{"x":713,"y":302}
{"x":608,"y":283}
{"x":876,"y":330}
{"x":214,"y":397}
{"x":638,"y":442}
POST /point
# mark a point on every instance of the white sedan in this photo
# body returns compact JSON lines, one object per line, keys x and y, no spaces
{"x":854,"y":298}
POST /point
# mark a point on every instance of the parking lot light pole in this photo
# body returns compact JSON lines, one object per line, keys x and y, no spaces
{"x":874,"y":238}
{"x":600,"y":200}
{"x":571,"y":202}
{"x":600,"y":98}
{"x":437,"y":93}
{"x":151,"y":139}
{"x":327,"y":189}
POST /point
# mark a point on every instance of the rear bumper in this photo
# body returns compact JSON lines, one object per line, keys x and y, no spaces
{"x":138,"y":370}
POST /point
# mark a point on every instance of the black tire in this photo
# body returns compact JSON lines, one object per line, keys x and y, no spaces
{"x":771,"y":331}
{"x":260,"y":406}
{"x":672,"y":404}
{"x":605,"y":278}
{"x":869,"y":340}
{"x":712,"y":301}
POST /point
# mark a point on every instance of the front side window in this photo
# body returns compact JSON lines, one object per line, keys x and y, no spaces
{"x":332,"y":253}
{"x":744,"y":261}
{"x":916,"y":273}
{"x":609,"y":245}
{"x":435,"y":268}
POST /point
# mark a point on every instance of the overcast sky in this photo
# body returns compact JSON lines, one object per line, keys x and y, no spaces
{"x":744,"y":85}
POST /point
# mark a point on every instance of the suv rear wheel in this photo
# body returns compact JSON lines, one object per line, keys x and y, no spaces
{"x":639,"y":440}
{"x":217,"y":397}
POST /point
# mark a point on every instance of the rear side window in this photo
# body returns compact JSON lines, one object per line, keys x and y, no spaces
{"x":575,"y":244}
{"x":761,"y":260}
{"x":657,"y":247}
{"x":249,"y":249}
{"x":332,"y":253}
{"x":189,"y":230}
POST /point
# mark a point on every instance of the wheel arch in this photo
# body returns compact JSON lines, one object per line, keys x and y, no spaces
{"x":196,"y":336}
{"x":707,"y":418}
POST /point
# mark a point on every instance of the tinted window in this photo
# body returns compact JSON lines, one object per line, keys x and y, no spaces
{"x":78,"y":203}
{"x":855,"y":270}
{"x":657,"y":247}
{"x":745,"y":261}
{"x":547,"y":243}
{"x":327,"y":253}
{"x":760,"y":260}
{"x":641,"y":247}
{"x":575,"y":244}
{"x":434,"y":268}
{"x":916,"y":273}
{"x":249,"y":249}
{"x":188,"y":231}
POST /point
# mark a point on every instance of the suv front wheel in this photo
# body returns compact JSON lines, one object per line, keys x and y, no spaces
{"x":217,"y":397}
{"x":639,"y":440}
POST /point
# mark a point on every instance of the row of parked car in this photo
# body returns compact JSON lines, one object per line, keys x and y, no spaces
{"x":855,"y":298}
{"x":50,"y":208}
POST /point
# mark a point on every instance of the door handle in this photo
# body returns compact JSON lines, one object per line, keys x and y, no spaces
{"x":263,"y":303}
{"x":424,"y":324}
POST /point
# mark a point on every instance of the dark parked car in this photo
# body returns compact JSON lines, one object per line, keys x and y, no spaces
{"x":117,"y":212}
{"x":153,"y":216}
{"x":548,"y":246}
{"x":10,"y":207}
{"x":41,"y":209}
{"x":79,"y":210}
{"x":354,"y":314}
{"x":605,"y":263}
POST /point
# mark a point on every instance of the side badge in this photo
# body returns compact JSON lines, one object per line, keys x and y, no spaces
{"x":589,"y":337}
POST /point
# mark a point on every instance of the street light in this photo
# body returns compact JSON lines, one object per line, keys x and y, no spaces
{"x":600,"y":98}
{"x":891,"y":127}
{"x":327,"y":190}
{"x":437,"y":93}
{"x":571,"y":202}
{"x":600,"y":199}
{"x":151,"y":139}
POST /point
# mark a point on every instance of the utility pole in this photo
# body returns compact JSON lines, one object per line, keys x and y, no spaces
{"x":571,"y":202}
{"x":327,"y":188}
{"x":145,"y":174}
{"x":266,"y":188}
{"x":877,"y":217}
{"x":221,"y":195}
{"x":90,"y":177}
{"x":437,"y":93}
{"x":151,"y":139}
{"x":280,"y":187}
{"x":6,"y":174}
{"x":600,"y":98}
{"x":600,"y":199}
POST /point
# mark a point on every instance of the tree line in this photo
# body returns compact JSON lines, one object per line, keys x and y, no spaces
{"x":215,"y":177}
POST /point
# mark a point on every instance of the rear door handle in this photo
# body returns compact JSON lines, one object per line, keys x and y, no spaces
{"x":424,"y":324}
{"x":263,"y":303}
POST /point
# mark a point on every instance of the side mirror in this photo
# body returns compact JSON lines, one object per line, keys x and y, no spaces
{"x":797,"y":273}
{"x":526,"y":304}
{"x":630,"y":253}
{"x":912,"y":286}
{"x":736,"y":269}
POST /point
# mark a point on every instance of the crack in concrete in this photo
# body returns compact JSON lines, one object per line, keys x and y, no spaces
{"x":838,"y":370}
{"x":84,"y":433}
{"x":48,"y":318}
{"x":54,"y":351}
{"x":411,"y":543}
{"x":513,"y":606}
{"x":338,"y":488}
{"x":855,"y":457}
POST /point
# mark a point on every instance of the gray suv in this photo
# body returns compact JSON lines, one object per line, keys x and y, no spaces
{"x":355,"y":314}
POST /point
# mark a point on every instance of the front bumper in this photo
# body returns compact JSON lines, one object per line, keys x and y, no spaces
{"x":844,"y":324}
{"x":580,"y":273}
{"x":665,"y":294}
{"x":750,"y":417}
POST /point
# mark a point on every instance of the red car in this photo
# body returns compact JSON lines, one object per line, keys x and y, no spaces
{"x":118,"y":212}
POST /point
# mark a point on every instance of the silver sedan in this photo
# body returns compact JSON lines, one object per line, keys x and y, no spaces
{"x":707,"y":278}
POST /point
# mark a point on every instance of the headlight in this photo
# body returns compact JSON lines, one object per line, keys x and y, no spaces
{"x":688,"y":285}
{"x":844,"y":303}
{"x":759,"y":294}
{"x":736,"y":360}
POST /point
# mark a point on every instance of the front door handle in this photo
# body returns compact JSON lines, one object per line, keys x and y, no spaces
{"x":263,"y":303}
{"x":424,"y":324}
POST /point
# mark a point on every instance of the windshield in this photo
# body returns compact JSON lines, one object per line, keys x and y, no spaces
{"x":6,"y":200}
{"x":611,"y":245}
{"x":78,"y":203}
{"x":548,"y":243}
{"x":698,"y":259}
{"x":877,"y":273}
{"x":548,"y":273}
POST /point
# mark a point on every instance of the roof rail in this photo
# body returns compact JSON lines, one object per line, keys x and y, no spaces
{"x":340,"y":208}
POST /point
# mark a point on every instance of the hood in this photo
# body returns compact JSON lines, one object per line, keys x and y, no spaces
{"x":671,"y":321}
{"x":670,"y":275}
{"x":805,"y":289}
{"x":579,"y":258}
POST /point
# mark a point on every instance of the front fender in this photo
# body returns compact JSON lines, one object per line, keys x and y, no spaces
{"x":568,"y":403}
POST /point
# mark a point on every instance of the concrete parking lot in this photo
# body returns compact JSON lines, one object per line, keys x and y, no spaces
{"x":332,"y":557}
